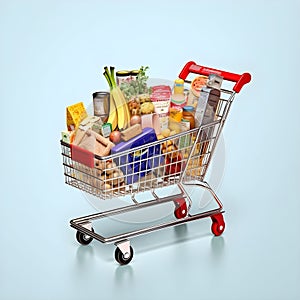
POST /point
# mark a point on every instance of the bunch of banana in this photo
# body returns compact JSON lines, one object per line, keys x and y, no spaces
{"x":112,"y":116}
{"x":119,"y":115}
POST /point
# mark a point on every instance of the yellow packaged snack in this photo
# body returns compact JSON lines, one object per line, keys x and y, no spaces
{"x":176,"y":113}
{"x":75,"y":114}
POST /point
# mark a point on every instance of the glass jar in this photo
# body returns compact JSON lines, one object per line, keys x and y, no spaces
{"x":176,"y":113}
{"x":123,"y":76}
{"x":101,"y":104}
{"x":134,"y":74}
{"x":188,"y":114}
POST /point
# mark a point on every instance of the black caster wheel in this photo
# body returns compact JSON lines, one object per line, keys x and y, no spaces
{"x":123,"y":259}
{"x":82,"y":238}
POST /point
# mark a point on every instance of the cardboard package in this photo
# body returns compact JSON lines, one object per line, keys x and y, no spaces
{"x":93,"y":142}
{"x":75,"y":114}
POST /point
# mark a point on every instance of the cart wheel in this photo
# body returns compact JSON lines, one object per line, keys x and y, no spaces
{"x":82,"y":238}
{"x":123,"y":259}
{"x":218,"y":224}
{"x":180,"y":208}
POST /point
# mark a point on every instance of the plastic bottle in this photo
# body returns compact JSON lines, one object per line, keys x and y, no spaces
{"x":188,"y":114}
{"x":178,"y":100}
{"x":178,"y":86}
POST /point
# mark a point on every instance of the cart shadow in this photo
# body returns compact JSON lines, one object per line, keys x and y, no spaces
{"x":84,"y":254}
{"x":124,"y":274}
{"x":217,"y":244}
{"x":179,"y":234}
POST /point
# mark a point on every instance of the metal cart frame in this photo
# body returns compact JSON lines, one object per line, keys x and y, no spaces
{"x":184,"y":164}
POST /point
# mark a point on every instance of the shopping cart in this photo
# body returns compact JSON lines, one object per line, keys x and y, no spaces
{"x":181,"y":160}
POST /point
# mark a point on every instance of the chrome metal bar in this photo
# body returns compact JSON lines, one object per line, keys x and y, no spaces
{"x":200,"y":130}
{"x":133,"y":198}
{"x":80,"y":223}
{"x":183,"y":190}
{"x":205,"y":185}
{"x":122,"y":236}
{"x":125,"y":209}
{"x":222,"y":122}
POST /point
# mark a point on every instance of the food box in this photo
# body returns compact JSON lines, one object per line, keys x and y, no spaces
{"x":75,"y":114}
{"x":140,"y":162}
{"x":207,"y":106}
{"x":161,"y":97}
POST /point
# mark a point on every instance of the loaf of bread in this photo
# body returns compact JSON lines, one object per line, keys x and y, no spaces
{"x":131,"y":132}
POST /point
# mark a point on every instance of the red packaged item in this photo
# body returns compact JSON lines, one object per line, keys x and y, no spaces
{"x":161,"y":97}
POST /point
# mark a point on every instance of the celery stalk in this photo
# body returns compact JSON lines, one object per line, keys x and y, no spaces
{"x":108,"y":80}
{"x":112,"y":77}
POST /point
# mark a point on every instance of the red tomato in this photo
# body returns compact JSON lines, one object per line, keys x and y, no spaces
{"x":173,"y":165}
{"x":115,"y":136}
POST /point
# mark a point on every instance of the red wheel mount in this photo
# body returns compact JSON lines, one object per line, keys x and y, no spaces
{"x":218,"y":224}
{"x":180,"y":208}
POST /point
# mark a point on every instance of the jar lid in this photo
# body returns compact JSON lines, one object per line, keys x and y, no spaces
{"x":97,"y":94}
{"x":123,"y":73}
{"x":134,"y":72}
{"x":188,"y":108}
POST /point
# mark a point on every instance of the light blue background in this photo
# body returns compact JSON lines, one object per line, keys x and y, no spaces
{"x":52,"y":54}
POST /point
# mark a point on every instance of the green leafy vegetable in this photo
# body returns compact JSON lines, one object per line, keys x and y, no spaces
{"x":138,"y":86}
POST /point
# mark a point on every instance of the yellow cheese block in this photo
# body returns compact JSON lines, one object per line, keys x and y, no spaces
{"x":75,"y":114}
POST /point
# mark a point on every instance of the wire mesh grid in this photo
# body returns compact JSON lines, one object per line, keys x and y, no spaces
{"x":150,"y":166}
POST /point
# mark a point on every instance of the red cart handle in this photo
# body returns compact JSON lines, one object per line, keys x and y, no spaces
{"x":192,"y":67}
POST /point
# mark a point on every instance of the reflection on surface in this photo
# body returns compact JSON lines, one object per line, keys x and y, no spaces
{"x":123,"y":274}
{"x":217,"y":246}
{"x":181,"y":230}
{"x":84,"y":254}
